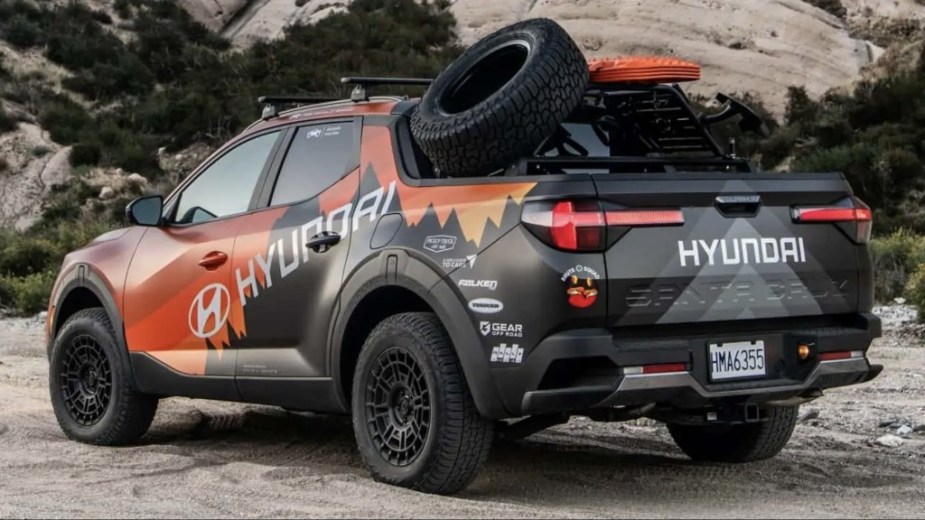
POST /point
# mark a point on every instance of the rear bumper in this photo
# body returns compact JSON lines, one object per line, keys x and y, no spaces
{"x":601,"y":356}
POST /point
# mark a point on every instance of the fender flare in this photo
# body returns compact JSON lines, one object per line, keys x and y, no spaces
{"x":398,"y":268}
{"x":83,"y":276}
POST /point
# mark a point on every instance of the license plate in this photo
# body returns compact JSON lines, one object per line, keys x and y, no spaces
{"x":737,"y":359}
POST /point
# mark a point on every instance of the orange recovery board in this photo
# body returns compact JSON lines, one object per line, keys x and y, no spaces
{"x":642,"y":69}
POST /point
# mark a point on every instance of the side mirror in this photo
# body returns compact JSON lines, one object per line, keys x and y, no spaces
{"x":146,"y":211}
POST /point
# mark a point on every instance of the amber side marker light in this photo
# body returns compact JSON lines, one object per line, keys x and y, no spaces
{"x":803,"y":351}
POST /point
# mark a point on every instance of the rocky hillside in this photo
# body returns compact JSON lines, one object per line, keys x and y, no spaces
{"x":745,"y":45}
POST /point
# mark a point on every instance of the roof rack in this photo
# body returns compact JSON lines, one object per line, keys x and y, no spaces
{"x":273,"y":104}
{"x":361,"y":84}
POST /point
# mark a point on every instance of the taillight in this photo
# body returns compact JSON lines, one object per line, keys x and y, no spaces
{"x":577,"y":226}
{"x":585,"y":225}
{"x":850,"y":211}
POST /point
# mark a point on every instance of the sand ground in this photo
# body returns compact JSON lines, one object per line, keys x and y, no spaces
{"x":208,"y":459}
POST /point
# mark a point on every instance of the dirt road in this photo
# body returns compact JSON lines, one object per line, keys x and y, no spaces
{"x":207,"y":459}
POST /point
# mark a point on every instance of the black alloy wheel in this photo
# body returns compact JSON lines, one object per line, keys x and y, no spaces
{"x":86,"y":380}
{"x":398,"y":407}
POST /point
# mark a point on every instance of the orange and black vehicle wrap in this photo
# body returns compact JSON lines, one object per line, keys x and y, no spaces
{"x":549,"y":286}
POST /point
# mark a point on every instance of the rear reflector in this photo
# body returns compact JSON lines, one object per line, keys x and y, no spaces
{"x":653,"y":217}
{"x":838,"y":356}
{"x":663,"y":368}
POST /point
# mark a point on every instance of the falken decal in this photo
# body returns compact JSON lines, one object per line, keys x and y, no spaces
{"x":491,"y":285}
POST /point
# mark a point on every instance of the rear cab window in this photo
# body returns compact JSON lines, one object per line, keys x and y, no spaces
{"x":318,"y":156}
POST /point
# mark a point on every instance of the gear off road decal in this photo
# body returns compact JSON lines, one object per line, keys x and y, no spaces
{"x":581,"y":286}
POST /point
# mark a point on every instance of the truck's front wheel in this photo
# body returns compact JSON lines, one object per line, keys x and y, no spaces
{"x":739,"y":442}
{"x":414,"y":419}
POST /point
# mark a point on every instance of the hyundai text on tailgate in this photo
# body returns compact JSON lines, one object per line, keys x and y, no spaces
{"x":538,"y":237}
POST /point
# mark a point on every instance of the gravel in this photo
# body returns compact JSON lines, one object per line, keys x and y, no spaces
{"x":211,"y":459}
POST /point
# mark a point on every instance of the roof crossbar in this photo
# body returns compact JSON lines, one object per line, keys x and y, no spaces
{"x":362,"y":84}
{"x":273,"y":104}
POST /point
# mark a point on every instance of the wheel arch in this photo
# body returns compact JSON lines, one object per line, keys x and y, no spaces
{"x":394,"y":282}
{"x":82,"y":287}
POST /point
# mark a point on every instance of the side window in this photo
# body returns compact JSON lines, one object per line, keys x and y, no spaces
{"x":225,"y":188}
{"x":318,"y":156}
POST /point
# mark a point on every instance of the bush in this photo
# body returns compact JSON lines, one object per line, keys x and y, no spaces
{"x":29,"y":261}
{"x":28,"y":294}
{"x":88,"y":154}
{"x":7,"y":122}
{"x":40,"y":151}
{"x":915,"y":290}
{"x":64,"y":119}
{"x":895,"y":258}
{"x":22,"y":33}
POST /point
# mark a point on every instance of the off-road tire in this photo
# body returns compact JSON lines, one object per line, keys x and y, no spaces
{"x":740,"y":442}
{"x":125,"y":415}
{"x":487,"y":109}
{"x":458,"y":438}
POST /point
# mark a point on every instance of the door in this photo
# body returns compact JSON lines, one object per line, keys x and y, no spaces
{"x":289,"y":263}
{"x":178,"y":302}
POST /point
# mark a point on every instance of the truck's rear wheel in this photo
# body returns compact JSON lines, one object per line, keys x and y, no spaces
{"x":414,"y":419}
{"x":739,"y":442}
{"x":91,"y":385}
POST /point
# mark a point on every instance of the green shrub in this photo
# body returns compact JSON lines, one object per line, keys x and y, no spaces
{"x":88,"y":154}
{"x":29,"y":294}
{"x":64,"y":119}
{"x":7,"y":122}
{"x":895,"y":257}
{"x":915,"y":290}
{"x":29,"y":260}
{"x":40,"y":151}
{"x":21,"y":32}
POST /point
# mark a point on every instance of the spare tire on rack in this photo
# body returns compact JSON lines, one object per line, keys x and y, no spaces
{"x":501,"y":99}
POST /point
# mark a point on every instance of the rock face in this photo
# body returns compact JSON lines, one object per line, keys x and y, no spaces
{"x":743,"y":45}
{"x":34,"y":165}
{"x":244,"y":21}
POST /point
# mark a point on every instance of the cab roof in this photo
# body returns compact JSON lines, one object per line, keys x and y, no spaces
{"x":360,"y":103}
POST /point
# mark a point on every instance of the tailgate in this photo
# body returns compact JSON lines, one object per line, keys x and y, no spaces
{"x":739,"y":253}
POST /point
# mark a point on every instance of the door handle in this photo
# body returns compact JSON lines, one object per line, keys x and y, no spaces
{"x":213,"y":260}
{"x":321,"y":242}
{"x":738,"y":205}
